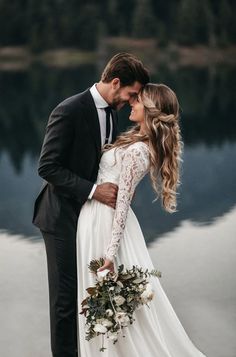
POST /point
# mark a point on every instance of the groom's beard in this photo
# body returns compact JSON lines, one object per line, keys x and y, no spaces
{"x":118,"y":102}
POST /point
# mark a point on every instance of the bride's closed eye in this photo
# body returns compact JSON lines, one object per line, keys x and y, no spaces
{"x":135,"y":99}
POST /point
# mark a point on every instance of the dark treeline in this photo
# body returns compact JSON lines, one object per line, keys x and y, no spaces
{"x":48,"y":24}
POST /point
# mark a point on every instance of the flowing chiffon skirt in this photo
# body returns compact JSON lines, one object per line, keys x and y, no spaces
{"x":156,"y":331}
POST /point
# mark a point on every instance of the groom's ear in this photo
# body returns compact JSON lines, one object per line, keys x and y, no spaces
{"x":115,"y":83}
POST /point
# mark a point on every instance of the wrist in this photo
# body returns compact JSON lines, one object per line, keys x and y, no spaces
{"x":109,"y":258}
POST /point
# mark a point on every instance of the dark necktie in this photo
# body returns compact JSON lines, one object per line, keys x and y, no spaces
{"x":108,"y":124}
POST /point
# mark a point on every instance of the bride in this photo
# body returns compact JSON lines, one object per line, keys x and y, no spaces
{"x":152,"y":145}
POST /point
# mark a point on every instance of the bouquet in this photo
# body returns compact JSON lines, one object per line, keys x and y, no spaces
{"x":111,"y":303}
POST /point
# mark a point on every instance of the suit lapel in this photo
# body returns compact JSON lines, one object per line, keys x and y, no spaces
{"x":92,"y":118}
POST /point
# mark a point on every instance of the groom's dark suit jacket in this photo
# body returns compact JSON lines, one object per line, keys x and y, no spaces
{"x":69,"y":162}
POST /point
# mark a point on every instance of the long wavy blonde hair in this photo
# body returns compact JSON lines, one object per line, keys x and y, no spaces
{"x":162,"y":134}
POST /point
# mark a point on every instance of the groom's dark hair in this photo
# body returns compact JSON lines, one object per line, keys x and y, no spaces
{"x":127,"y":68}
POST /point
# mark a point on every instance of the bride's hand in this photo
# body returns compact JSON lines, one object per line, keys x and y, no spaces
{"x":107,"y":265}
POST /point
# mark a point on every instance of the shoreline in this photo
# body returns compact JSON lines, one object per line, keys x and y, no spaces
{"x":173,"y":56}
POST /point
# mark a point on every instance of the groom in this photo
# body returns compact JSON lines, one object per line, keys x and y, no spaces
{"x":69,"y":161}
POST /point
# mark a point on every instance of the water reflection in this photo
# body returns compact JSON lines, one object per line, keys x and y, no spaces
{"x":209,"y":132}
{"x":197,"y":265}
{"x":26,"y":101}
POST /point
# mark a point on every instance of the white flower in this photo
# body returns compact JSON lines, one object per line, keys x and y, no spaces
{"x":148,"y":294}
{"x":119,"y":300}
{"x":101,"y":274}
{"x":109,"y":312}
{"x":112,"y":335}
{"x":106,"y":323}
{"x":119,"y":283}
{"x":100,"y":328}
{"x":122,"y":318}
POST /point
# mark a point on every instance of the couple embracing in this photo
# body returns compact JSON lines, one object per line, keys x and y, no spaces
{"x":83,"y":210}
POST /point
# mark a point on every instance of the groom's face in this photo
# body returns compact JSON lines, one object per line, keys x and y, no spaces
{"x":123,"y":95}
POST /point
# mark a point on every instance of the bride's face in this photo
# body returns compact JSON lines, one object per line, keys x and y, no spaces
{"x":137,"y":112}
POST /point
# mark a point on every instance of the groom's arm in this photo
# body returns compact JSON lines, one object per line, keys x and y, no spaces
{"x":56,"y":147}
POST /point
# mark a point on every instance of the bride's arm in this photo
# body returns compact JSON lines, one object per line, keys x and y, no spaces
{"x":135,"y":165}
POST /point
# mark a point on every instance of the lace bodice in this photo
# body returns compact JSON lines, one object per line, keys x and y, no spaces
{"x":124,"y":167}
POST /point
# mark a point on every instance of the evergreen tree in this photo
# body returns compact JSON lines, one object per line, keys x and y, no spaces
{"x":195,"y":22}
{"x":13,"y":27}
{"x":186,"y":22}
{"x":60,"y":23}
{"x":211,"y":24}
{"x":37,"y":15}
{"x":224,"y":20}
{"x":144,"y":22}
{"x":88,"y":27}
{"x":113,"y":18}
{"x":126,"y":11}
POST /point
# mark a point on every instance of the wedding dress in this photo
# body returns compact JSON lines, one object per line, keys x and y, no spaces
{"x":103,"y":231}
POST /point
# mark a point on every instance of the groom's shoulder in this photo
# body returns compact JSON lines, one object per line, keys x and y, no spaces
{"x":74,"y":102}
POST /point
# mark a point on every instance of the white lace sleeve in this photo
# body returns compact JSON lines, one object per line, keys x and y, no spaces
{"x":135,"y":165}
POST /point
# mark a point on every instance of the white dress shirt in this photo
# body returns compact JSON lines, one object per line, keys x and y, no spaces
{"x":100,"y":104}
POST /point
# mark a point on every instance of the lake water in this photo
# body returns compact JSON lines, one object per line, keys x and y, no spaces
{"x":194,"y":248}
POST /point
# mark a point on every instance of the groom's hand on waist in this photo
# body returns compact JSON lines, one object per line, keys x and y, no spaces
{"x":106,"y":193}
